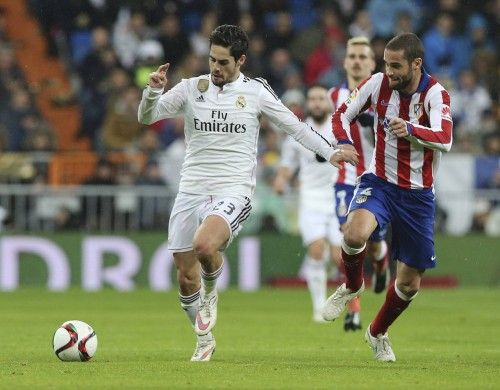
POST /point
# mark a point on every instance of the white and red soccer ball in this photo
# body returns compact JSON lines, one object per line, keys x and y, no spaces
{"x":74,"y":341}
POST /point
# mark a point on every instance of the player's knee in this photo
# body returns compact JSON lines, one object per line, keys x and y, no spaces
{"x":353,"y":238}
{"x":316,"y":251}
{"x":188,"y":280}
{"x":408,"y":288}
{"x":203,"y":248}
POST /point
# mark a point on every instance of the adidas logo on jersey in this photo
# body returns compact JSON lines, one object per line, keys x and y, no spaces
{"x":200,"y":99}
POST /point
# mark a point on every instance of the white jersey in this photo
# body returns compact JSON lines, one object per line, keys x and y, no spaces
{"x":222,"y":129}
{"x":316,"y":189}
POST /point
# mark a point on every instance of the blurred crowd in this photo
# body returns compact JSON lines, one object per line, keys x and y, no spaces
{"x":110,"y":46}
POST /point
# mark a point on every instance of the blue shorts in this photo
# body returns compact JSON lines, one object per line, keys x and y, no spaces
{"x":343,"y":197}
{"x":411,"y":213}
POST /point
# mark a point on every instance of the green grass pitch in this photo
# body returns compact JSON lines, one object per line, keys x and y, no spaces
{"x":447,"y":339}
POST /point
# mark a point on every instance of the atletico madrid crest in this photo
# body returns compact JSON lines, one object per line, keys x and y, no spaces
{"x":417,"y":110}
{"x":361,"y":199}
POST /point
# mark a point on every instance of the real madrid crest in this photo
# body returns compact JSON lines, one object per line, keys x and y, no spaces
{"x":202,"y":85}
{"x":241,"y":102}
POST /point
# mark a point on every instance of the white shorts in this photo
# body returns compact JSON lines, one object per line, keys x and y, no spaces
{"x":190,"y":211}
{"x":315,"y":225}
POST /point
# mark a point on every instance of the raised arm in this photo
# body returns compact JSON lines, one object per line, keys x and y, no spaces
{"x":156,"y":105}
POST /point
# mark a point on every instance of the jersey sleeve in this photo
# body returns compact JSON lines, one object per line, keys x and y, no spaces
{"x":156,"y":105}
{"x":286,"y":120}
{"x":358,"y":101}
{"x":439,"y":135}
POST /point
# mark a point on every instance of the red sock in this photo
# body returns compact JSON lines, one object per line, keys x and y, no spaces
{"x":353,"y":267}
{"x":390,"y":310}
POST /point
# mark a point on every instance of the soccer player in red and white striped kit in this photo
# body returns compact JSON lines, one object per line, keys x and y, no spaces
{"x":359,"y":63}
{"x":412,"y":127}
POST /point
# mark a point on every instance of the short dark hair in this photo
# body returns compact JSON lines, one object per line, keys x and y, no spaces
{"x":232,"y":37}
{"x":410,"y":44}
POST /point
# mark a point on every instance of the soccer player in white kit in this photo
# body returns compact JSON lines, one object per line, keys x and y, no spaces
{"x":221,"y":113}
{"x":318,"y":223}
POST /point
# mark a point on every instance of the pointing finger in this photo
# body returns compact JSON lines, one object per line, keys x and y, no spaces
{"x":164,"y":67}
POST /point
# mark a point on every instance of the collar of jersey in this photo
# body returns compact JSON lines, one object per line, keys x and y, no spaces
{"x":422,"y":85}
{"x":229,"y":85}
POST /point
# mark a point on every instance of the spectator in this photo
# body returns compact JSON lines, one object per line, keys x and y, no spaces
{"x":152,"y":210}
{"x":444,"y":50}
{"x":174,"y":41}
{"x":280,"y":66}
{"x":121,"y":130}
{"x":470,"y":104}
{"x":199,"y":39}
{"x":13,"y":116}
{"x":281,"y":34}
{"x":383,"y":14}
{"x":11,"y":76}
{"x":98,"y":210}
{"x":129,"y":31}
{"x":256,"y":61}
{"x":325,"y":59}
{"x":40,"y":136}
{"x":94,"y":72}
{"x":362,"y":25}
{"x":403,"y":23}
{"x":307,"y":41}
{"x":150,"y":54}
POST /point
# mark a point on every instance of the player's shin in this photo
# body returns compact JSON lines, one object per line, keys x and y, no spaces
{"x":352,"y":259}
{"x":209,"y":280}
{"x":395,"y":303}
{"x":316,"y":277}
{"x":190,"y":304}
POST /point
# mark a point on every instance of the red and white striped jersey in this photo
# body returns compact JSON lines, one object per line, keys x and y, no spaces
{"x":362,"y":137}
{"x":412,"y":161}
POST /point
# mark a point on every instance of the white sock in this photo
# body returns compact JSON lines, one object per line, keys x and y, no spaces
{"x":383,"y":251}
{"x":209,"y":281}
{"x":315,"y":273}
{"x":190,"y":304}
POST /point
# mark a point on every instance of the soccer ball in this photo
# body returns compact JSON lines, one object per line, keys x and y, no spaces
{"x":74,"y":341}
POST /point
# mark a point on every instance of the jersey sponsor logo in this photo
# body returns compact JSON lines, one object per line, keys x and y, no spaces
{"x":200,"y":99}
{"x":241,"y":102}
{"x":202,"y":85}
{"x":219,"y":124}
{"x":446,"y":112}
{"x":433,"y":258}
{"x":366,"y":191}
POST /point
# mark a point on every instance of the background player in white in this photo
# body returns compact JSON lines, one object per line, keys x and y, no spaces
{"x":221,"y":113}
{"x":413,"y":125}
{"x":359,"y":63}
{"x":318,"y":224}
